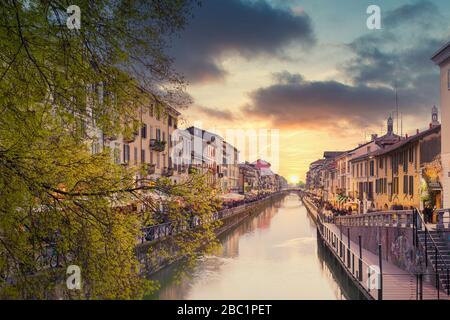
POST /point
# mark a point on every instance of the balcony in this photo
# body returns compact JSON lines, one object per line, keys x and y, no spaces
{"x":167,"y":172}
{"x":150,"y":169}
{"x":192,"y":169}
{"x":110,"y":137}
{"x":129,"y":139}
{"x":157,"y":145}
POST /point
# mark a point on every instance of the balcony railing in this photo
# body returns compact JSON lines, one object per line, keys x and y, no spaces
{"x":397,"y":218}
{"x":168,"y":172}
{"x":151,"y":169}
{"x":157,"y":145}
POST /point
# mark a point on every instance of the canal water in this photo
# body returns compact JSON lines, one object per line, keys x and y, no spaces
{"x":272,"y":255}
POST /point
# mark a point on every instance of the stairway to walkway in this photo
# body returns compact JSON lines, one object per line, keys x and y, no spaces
{"x":438,"y":255}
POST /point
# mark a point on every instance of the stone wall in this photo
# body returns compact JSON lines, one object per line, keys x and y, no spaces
{"x":396,"y":244}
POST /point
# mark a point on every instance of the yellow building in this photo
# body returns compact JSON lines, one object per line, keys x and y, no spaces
{"x":398,"y":170}
{"x":151,"y":145}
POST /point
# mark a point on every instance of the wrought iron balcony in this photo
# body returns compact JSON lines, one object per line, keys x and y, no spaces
{"x":157,"y":145}
{"x":168,"y":172}
{"x":151,"y":169}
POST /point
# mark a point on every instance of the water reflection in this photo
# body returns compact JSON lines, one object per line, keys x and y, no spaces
{"x":273,"y":255}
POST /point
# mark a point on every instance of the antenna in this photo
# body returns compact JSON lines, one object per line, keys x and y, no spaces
{"x":396,"y":104}
{"x":401,"y":124}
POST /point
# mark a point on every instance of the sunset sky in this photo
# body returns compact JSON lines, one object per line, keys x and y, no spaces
{"x":312,"y":69}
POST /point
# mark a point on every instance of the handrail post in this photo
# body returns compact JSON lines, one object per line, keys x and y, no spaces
{"x":426,"y":248}
{"x":360,"y":272}
{"x":437,"y":286}
{"x":421,"y":286}
{"x":414,"y":218}
{"x":380,"y":281}
{"x":348,"y":248}
{"x":448,"y":283}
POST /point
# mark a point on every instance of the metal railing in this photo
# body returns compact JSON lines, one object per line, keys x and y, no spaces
{"x":370,"y":277}
{"x":167,"y":229}
{"x":440,"y":265}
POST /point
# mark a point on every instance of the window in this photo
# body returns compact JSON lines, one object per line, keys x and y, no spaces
{"x":372,"y":168}
{"x":381,"y":162}
{"x":126,"y":153}
{"x":142,"y":156}
{"x":116,"y":153}
{"x":411,"y":185}
{"x":144,"y":131}
{"x":395,"y":185}
{"x":135,"y":155}
{"x":158,"y":134}
{"x":405,"y":184}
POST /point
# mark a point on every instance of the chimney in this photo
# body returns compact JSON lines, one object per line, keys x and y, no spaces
{"x":417,"y":132}
{"x":406,"y":136}
{"x":374,"y":136}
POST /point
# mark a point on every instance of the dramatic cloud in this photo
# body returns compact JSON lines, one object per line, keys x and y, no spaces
{"x":323,"y":104}
{"x":396,"y":57}
{"x":423,"y":13}
{"x":399,"y":56}
{"x":222,"y":27}
{"x":215,"y":113}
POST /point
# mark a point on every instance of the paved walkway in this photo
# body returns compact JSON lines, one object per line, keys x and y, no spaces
{"x":397,"y":283}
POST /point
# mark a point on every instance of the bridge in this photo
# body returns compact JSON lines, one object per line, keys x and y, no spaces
{"x":392,"y":255}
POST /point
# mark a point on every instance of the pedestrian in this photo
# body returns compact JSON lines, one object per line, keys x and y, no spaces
{"x":427,"y":213}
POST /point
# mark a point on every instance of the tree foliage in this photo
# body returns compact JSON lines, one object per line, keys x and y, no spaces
{"x":59,"y":89}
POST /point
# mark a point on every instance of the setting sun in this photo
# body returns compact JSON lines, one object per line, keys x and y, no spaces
{"x":293,"y":179}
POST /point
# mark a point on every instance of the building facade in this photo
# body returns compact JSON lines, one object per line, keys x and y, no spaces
{"x":442,"y":59}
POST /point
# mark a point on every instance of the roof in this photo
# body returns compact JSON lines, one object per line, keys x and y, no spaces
{"x":442,"y":54}
{"x":399,"y":144}
{"x":332,"y":154}
{"x":402,"y":143}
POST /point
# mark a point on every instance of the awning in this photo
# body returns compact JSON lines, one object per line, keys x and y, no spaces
{"x":341,"y":198}
{"x":434,"y":185}
{"x":232,"y":196}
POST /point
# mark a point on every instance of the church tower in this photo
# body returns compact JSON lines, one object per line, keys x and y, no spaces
{"x":390,"y":126}
{"x":434,"y":117}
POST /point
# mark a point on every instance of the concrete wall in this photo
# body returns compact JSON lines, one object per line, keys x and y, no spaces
{"x":396,"y":245}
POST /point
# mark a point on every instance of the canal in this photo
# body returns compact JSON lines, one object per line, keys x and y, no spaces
{"x":274,"y":254}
